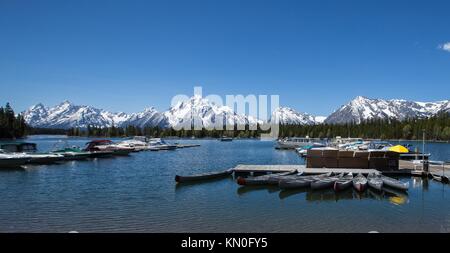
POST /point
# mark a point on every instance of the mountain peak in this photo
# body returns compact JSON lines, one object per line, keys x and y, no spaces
{"x":287,"y":115}
{"x":150,"y":109}
{"x":362,"y":108}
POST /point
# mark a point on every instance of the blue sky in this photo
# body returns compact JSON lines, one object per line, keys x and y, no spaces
{"x":317,"y":55}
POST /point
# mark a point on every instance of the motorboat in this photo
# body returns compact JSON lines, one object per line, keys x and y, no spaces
{"x":30,"y":149}
{"x":70,"y":153}
{"x":108,"y":146}
{"x":297,"y":142}
{"x":12,"y":160}
{"x":224,"y":138}
{"x":156,"y":144}
{"x":137,"y":145}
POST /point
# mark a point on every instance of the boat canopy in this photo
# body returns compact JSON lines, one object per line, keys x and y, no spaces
{"x":399,"y":149}
{"x":99,"y":142}
{"x":18,"y":146}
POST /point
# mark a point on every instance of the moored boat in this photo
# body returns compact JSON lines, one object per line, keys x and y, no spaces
{"x":394,"y":183}
{"x":12,"y":160}
{"x":300,"y":182}
{"x":108,"y":146}
{"x":276,"y":177}
{"x":204,"y":176}
{"x":70,"y":153}
{"x":30,"y":149}
{"x":264,"y":179}
{"x":344,"y":183}
{"x":136,"y":145}
{"x":360,"y":183}
{"x":296,"y":142}
{"x":325,"y":183}
{"x":45,"y":158}
{"x":157,"y":144}
{"x":224,"y":138}
{"x":295,"y":183}
{"x":374,"y":181}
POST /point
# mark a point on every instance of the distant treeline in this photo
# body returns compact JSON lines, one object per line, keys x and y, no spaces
{"x":161,"y":132}
{"x":436,"y":128}
{"x":11,"y":126}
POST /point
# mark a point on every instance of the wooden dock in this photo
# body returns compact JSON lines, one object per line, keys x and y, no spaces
{"x":187,"y":145}
{"x":300,"y":168}
{"x":440,"y":170}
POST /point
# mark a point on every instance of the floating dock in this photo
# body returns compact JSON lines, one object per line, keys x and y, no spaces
{"x":417,"y":168}
{"x":302,"y":168}
{"x":187,"y":145}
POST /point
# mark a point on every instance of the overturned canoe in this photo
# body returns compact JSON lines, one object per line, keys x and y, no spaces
{"x":204,"y":176}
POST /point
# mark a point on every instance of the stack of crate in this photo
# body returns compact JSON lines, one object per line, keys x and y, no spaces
{"x":334,"y":158}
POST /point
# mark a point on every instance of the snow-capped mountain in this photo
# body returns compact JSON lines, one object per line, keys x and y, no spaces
{"x":67,"y":115}
{"x":203,"y":113}
{"x":288,"y":115}
{"x":206,"y":114}
{"x":200,"y":110}
{"x":149,"y":117}
{"x":362,"y":108}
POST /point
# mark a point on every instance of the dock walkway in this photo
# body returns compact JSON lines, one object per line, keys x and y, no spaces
{"x":301,"y":168}
{"x":441,"y":170}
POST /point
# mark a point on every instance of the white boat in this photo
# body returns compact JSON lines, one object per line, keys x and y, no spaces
{"x":157,"y":144}
{"x":45,"y":158}
{"x":30,"y":150}
{"x":12,"y":160}
{"x":108,"y":145}
{"x":137,"y":145}
{"x":296,"y":142}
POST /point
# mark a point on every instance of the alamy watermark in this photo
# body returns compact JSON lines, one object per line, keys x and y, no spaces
{"x":236,"y":112}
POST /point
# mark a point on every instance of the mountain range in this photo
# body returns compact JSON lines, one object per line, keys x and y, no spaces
{"x":67,"y":115}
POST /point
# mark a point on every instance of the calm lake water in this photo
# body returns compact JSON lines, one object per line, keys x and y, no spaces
{"x":138,"y":194}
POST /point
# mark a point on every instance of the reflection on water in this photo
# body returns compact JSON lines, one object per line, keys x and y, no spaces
{"x":329,"y":195}
{"x":252,"y":188}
